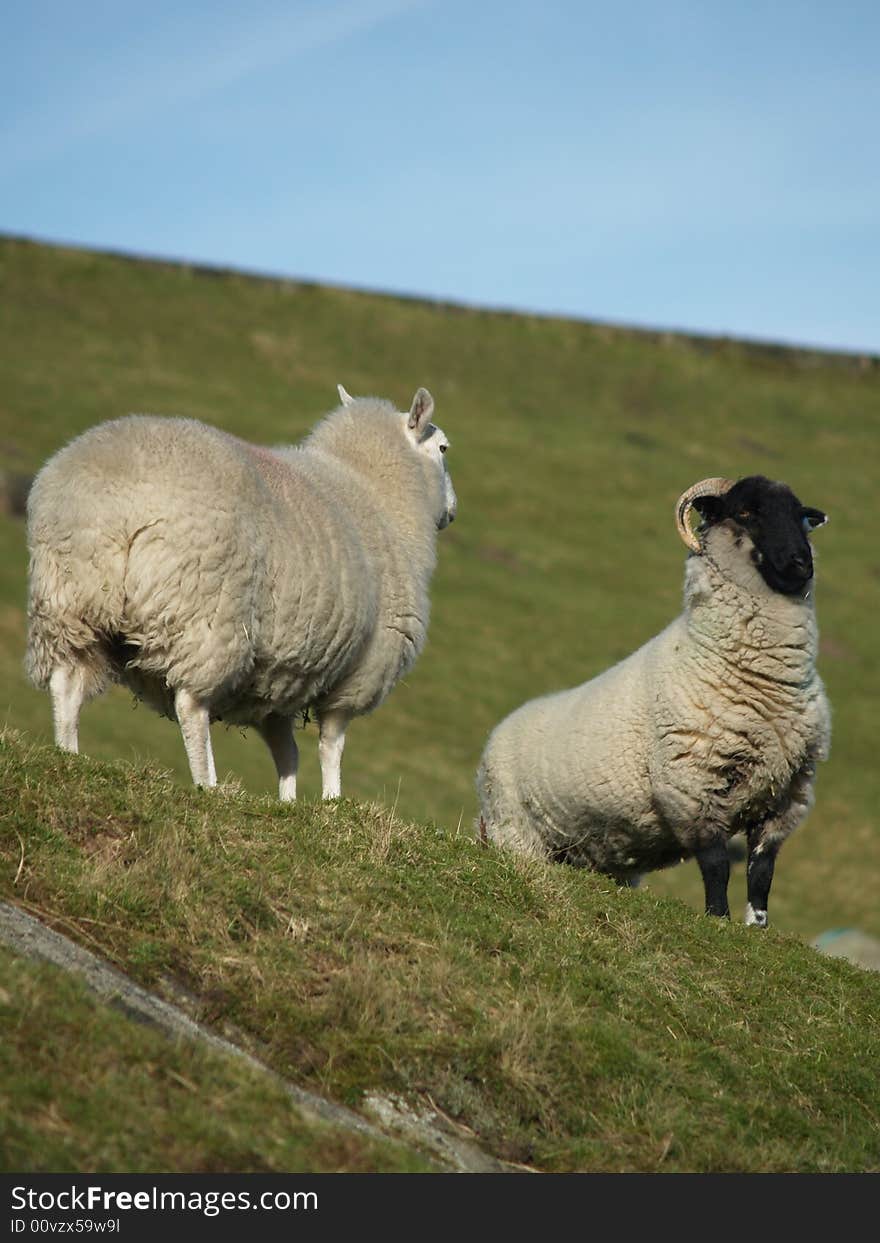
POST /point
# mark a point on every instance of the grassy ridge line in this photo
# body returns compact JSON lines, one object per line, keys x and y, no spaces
{"x":799,"y":355}
{"x":569,"y":1025}
{"x":571,"y":442}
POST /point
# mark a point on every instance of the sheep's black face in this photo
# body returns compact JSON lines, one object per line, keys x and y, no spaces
{"x":777,"y":524}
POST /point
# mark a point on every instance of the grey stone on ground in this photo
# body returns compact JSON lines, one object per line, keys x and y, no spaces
{"x":857,"y":947}
{"x":449,"y":1140}
{"x":434,"y":1136}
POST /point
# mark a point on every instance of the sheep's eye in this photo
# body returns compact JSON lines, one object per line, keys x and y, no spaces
{"x":443,"y":448}
{"x":744,"y":515}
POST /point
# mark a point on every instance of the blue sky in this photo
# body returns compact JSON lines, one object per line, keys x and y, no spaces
{"x":707,"y":166}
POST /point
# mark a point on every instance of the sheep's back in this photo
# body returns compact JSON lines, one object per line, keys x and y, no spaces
{"x":324,"y":583}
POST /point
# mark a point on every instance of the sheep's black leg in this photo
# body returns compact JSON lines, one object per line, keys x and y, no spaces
{"x":762,"y":859}
{"x":715,"y":866}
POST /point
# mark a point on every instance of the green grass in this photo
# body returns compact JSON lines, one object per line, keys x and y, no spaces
{"x":571,"y":442}
{"x":70,"y":1068}
{"x":569,"y":1024}
{"x":532,"y":1003}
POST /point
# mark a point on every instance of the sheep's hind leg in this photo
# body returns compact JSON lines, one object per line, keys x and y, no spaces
{"x":195,"y":725}
{"x":67,"y":687}
{"x":277,"y":733}
{"x":331,"y":743}
{"x":715,"y":867}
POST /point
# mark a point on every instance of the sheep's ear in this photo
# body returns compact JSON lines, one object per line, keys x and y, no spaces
{"x":345,"y":398}
{"x":813,"y":517}
{"x":420,"y":412}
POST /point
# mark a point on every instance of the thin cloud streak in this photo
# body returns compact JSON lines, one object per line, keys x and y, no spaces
{"x":154,"y":84}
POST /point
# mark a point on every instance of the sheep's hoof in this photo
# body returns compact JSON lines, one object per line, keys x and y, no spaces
{"x":755,"y":919}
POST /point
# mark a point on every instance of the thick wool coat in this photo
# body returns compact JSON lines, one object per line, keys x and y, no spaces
{"x":167,"y":554}
{"x":716,"y":724}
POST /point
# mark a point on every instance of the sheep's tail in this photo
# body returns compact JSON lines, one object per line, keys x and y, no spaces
{"x":58,"y":638}
{"x":75,"y":608}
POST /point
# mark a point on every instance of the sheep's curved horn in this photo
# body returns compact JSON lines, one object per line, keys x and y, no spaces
{"x":706,"y":487}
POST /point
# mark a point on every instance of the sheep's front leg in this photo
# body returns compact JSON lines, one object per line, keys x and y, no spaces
{"x":759,"y":877}
{"x":715,"y":866}
{"x":195,"y":725}
{"x":765,"y":842}
{"x":277,"y":732}
{"x":331,"y":743}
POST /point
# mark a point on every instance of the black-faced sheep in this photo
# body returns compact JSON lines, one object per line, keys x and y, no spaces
{"x":714,"y":727}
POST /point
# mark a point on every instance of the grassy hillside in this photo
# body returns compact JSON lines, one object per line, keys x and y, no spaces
{"x":66,"y":1063}
{"x":571,"y":442}
{"x":568,"y":1024}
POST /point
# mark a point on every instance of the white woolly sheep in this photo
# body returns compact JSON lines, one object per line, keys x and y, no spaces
{"x":711,"y":728}
{"x":219,"y":580}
